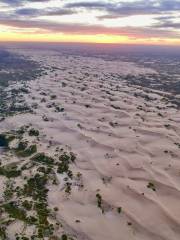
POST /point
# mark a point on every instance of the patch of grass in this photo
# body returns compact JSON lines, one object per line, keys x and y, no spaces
{"x":65,"y":160}
{"x":9,"y":172}
{"x":14,"y":211}
{"x":27,"y":151}
{"x":3,"y":235}
{"x":63,"y":167}
{"x":42,"y":158}
{"x":27,"y":205}
{"x":35,"y":187}
{"x":9,"y":190}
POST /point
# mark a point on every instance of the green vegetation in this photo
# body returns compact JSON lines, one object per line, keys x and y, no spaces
{"x":33,"y":132}
{"x":63,"y":166}
{"x":9,"y":190}
{"x":3,"y":235}
{"x":177,"y":144}
{"x":15,"y":68}
{"x":68,"y":188}
{"x":99,"y":202}
{"x":10,"y":172}
{"x":53,"y":97}
{"x":20,"y":198}
{"x":151,"y":186}
{"x":119,"y":210}
{"x":36,"y":188}
{"x":59,"y":109}
{"x":64,"y":237}
{"x":27,"y":205}
{"x":23,"y":151}
{"x":42,"y":158}
{"x":14,"y":211}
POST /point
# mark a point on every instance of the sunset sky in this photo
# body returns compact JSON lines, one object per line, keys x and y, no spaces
{"x":115,"y":21}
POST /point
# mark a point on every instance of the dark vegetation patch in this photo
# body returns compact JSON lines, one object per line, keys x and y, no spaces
{"x":42,"y":158}
{"x":33,"y":132}
{"x":151,"y":186}
{"x":27,"y":151}
{"x":15,"y":68}
{"x":10,"y":171}
{"x":32,"y":194}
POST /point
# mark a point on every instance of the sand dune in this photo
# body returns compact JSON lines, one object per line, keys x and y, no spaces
{"x":120,"y":149}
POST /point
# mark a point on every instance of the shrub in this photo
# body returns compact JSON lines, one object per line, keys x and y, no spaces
{"x":119,"y":210}
{"x":27,"y":152}
{"x":22,"y":146}
{"x":99,"y":200}
{"x":42,"y":158}
{"x":151,"y":186}
{"x":64,"y":237}
{"x":27,"y":205}
{"x":9,"y":172}
{"x":33,"y":132}
{"x":14,"y":211}
{"x":3,"y":233}
{"x":53,"y":97}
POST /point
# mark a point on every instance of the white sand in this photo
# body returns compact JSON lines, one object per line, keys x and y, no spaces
{"x":120,"y":149}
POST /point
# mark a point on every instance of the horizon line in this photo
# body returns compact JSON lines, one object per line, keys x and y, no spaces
{"x":89,"y":43}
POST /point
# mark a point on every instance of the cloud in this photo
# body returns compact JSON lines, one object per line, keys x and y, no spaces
{"x":168,"y":24}
{"x":23,"y":18}
{"x":20,"y":2}
{"x":139,"y":7}
{"x":33,"y":12}
{"x":88,"y":5}
{"x":27,"y":12}
{"x":59,"y":12}
{"x":168,"y":21}
{"x":53,"y":27}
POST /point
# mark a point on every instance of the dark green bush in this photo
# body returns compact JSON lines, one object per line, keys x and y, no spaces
{"x":14,"y":211}
{"x":42,"y":158}
{"x":9,"y":172}
{"x":27,"y":151}
{"x":33,"y":132}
